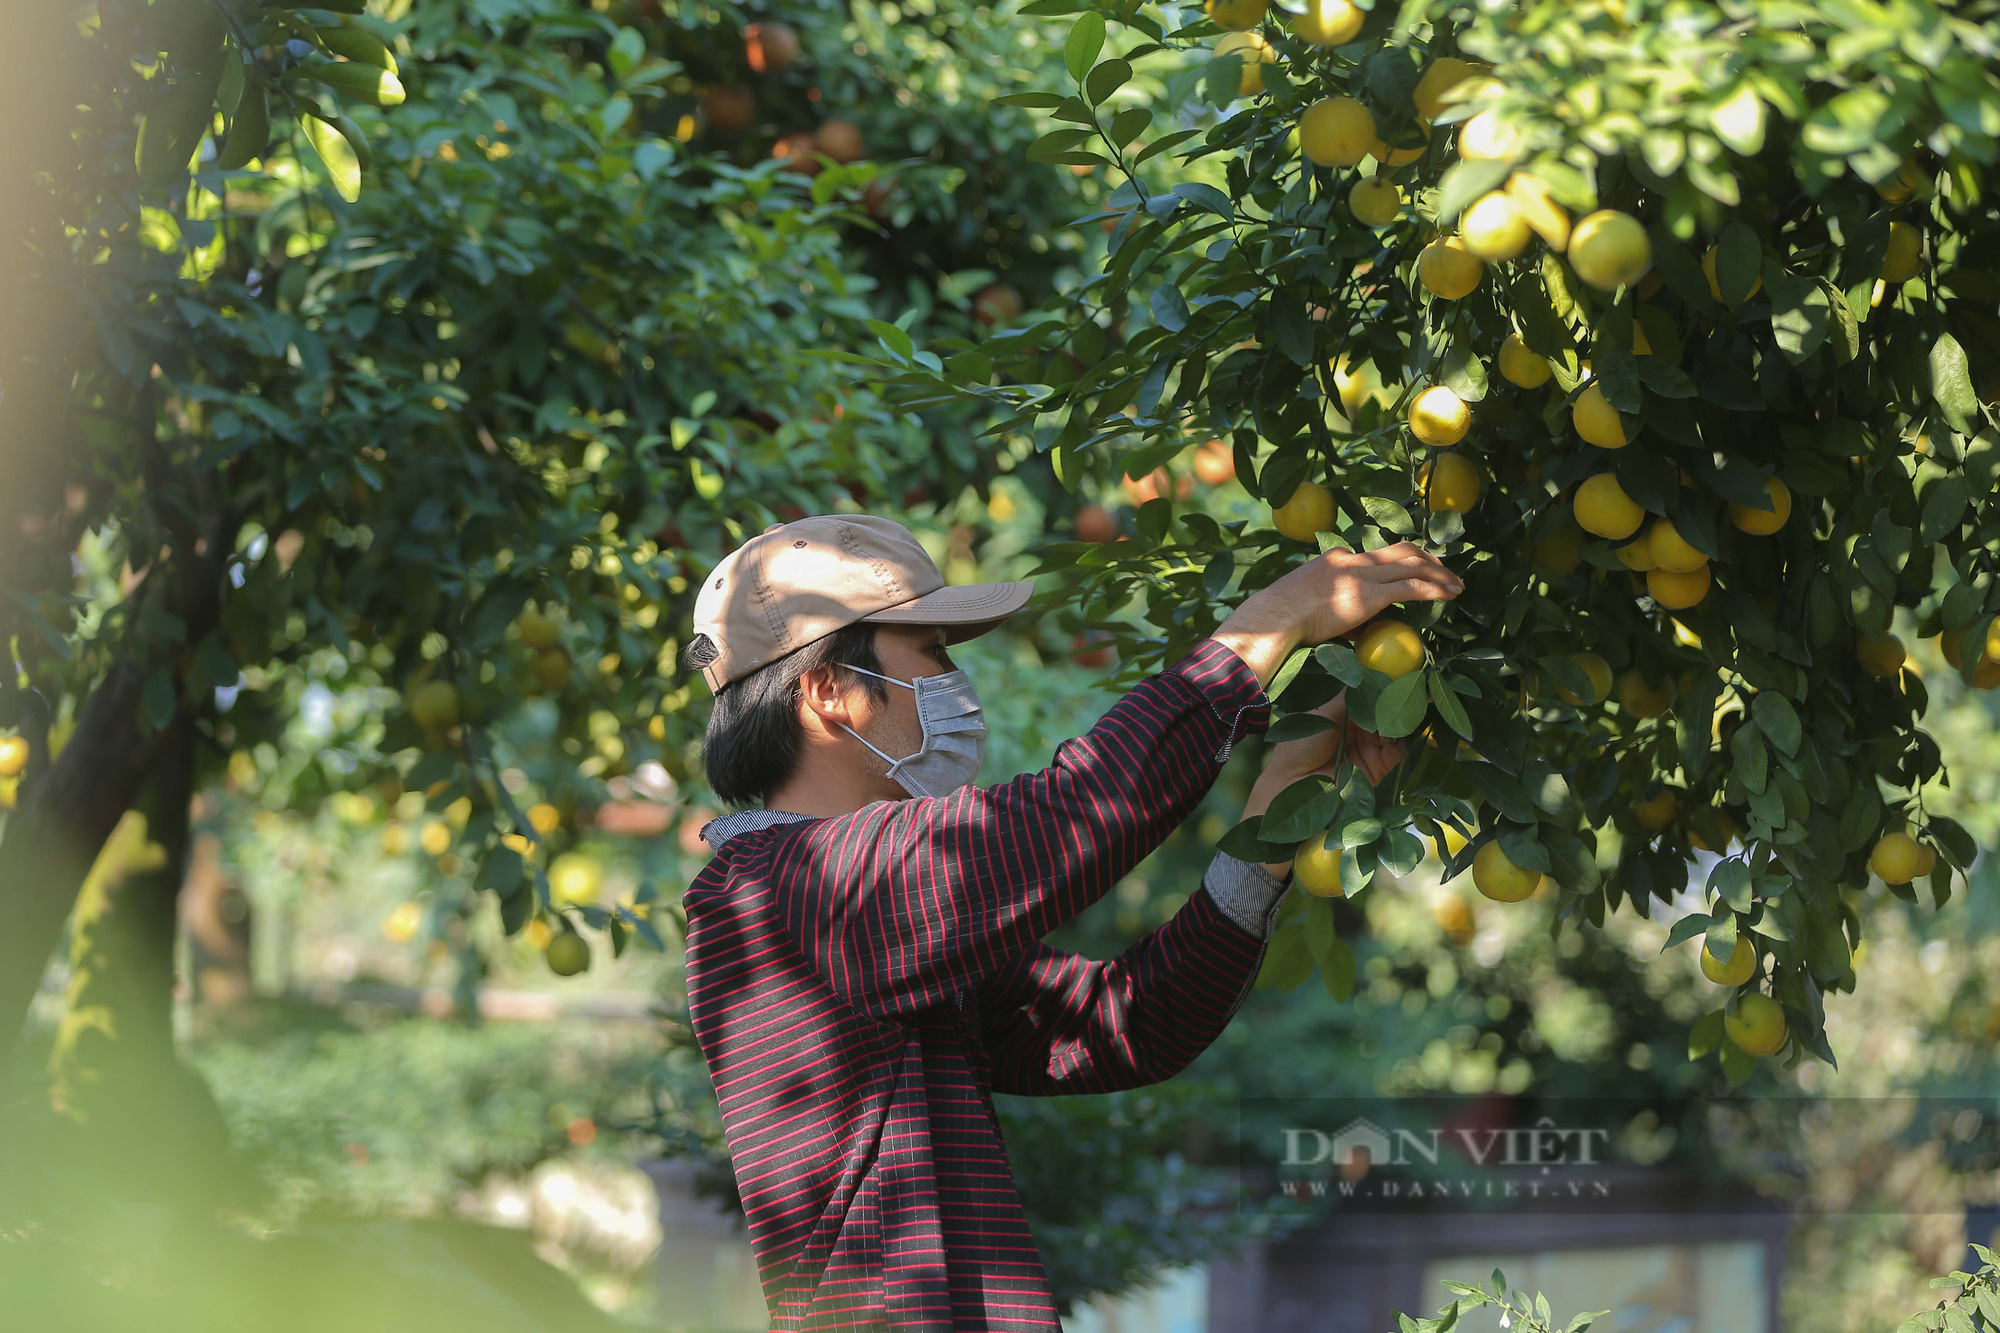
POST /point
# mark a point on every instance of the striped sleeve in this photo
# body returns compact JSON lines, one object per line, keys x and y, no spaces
{"x":1057,"y":1023}
{"x":902,"y":905}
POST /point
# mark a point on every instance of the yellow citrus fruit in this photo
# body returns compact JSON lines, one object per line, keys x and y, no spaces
{"x":1336,"y":132}
{"x":1901,"y":187}
{"x":1596,"y":420}
{"x":1896,"y":858}
{"x":1255,"y":53}
{"x":1439,"y":78}
{"x":1677,"y":592}
{"x":1759,"y":523}
{"x":435,"y":705}
{"x":1390,"y":647}
{"x":13,"y":755}
{"x":1928,"y":859}
{"x":1449,"y":481}
{"x":1602,"y":507}
{"x":1493,"y":229}
{"x":1448,"y":270}
{"x":1500,"y":879}
{"x":1906,"y":244}
{"x":1561,"y":551}
{"x":1610,"y":249}
{"x":545,"y":818}
{"x":1439,"y":417}
{"x":1715,"y":284}
{"x":1397,"y":157}
{"x":1358,"y":385}
{"x":1641,"y":697}
{"x":1757,"y":1026}
{"x":567,"y":954}
{"x":552,"y":669}
{"x":1375,"y":202}
{"x":1725,"y":826}
{"x":1538,"y":208}
{"x":1637,"y":554}
{"x":401,"y":925}
{"x":435,"y":838}
{"x":1598,"y":671}
{"x":1520,"y":366}
{"x":1236,"y":15}
{"x":1316,"y":867}
{"x":395,"y":840}
{"x":1671,"y":551}
{"x":1329,"y":23}
{"x":575,"y":878}
{"x":539,"y":631}
{"x":1880,"y":655}
{"x":1309,"y":511}
{"x":1740,"y":967}
{"x":1658,"y":810}
{"x":1486,"y":138}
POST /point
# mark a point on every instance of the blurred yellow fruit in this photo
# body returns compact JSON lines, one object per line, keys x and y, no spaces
{"x":1880,"y":655}
{"x":395,"y":840}
{"x":13,"y":755}
{"x":552,"y":669}
{"x":1493,"y":228}
{"x":1439,"y":78}
{"x":544,"y":818}
{"x":1599,"y":673}
{"x":1439,"y":417}
{"x":400,"y":926}
{"x":1759,"y":522}
{"x":1499,"y":878}
{"x":567,"y":954}
{"x":1640,"y":697}
{"x":434,"y":705}
{"x":1671,"y":551}
{"x":1677,"y":592}
{"x":1316,"y":867}
{"x":539,"y":631}
{"x":1403,"y":156}
{"x":1358,"y":385}
{"x":1520,"y":366}
{"x":1235,"y":15}
{"x":1336,"y":132}
{"x":1255,"y":53}
{"x":1602,"y":507}
{"x":1906,"y":245}
{"x":1375,"y":202}
{"x":1448,"y":270}
{"x":1561,"y":551}
{"x":435,"y":838}
{"x":1610,"y":249}
{"x":1758,"y":1025}
{"x":1329,"y":23}
{"x":1309,"y":511}
{"x":1390,"y":647}
{"x":1538,"y":208}
{"x":1739,"y":968}
{"x":1596,"y":420}
{"x":1658,"y":810}
{"x":575,"y":878}
{"x":1449,"y":482}
{"x":1486,"y":138}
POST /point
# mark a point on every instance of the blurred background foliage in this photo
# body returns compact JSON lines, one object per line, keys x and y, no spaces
{"x":278,"y":460}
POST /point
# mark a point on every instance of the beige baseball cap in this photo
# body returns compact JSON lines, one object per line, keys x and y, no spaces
{"x":795,"y":583}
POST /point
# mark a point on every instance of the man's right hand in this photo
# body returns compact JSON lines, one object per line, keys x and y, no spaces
{"x":1333,"y":595}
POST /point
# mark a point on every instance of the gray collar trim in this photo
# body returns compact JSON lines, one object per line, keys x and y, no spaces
{"x":721,"y":829}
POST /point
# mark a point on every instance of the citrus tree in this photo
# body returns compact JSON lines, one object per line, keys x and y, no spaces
{"x":1662,"y":323}
{"x":445,"y":432}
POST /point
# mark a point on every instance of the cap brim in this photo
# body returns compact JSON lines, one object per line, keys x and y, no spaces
{"x":965,"y":611}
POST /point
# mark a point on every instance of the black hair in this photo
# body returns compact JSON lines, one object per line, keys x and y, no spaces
{"x":754,"y":735}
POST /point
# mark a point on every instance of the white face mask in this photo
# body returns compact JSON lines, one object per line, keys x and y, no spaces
{"x":954,"y":734}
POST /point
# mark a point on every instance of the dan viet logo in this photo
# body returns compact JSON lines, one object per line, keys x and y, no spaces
{"x":1364,"y":1161}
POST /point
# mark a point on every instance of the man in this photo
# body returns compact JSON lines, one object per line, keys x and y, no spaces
{"x":863,"y":956}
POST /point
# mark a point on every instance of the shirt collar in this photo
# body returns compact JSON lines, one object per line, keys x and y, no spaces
{"x":721,"y":829}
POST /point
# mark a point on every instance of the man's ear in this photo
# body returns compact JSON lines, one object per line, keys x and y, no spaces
{"x":823,"y":699}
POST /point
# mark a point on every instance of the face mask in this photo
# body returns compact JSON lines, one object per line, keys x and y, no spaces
{"x":954,"y":734}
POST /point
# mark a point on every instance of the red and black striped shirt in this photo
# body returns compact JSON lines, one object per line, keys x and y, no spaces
{"x":860,"y":985}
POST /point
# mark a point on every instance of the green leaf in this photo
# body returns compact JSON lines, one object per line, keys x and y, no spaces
{"x":1501,"y":791}
{"x":1300,"y":810}
{"x":1524,"y":849}
{"x":1779,"y":721}
{"x":1033,"y":101}
{"x":1448,"y":705}
{"x":343,"y":165}
{"x":1801,"y":314}
{"x":1287,"y":673}
{"x":1337,"y":970}
{"x":1738,"y":263}
{"x":1340,"y":662}
{"x":1297,"y":726}
{"x":1243,"y":843}
{"x":1055,"y":143}
{"x":1129,"y":124}
{"x":1705,"y":1035}
{"x":1106,"y":79}
{"x":1086,"y":40}
{"x":1951,"y":385}
{"x":1945,"y":501}
{"x":1464,"y":182}
{"x":1400,"y":709}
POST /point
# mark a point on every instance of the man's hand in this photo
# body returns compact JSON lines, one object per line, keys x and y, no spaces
{"x":1325,"y":753}
{"x":1333,"y":595}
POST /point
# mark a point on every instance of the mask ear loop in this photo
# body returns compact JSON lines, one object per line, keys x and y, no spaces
{"x":863,"y":739}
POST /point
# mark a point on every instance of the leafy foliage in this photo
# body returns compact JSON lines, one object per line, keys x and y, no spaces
{"x":1241,"y":299}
